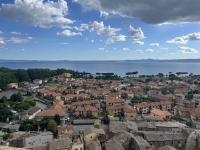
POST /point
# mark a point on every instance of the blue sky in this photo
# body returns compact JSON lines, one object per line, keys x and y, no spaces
{"x":99,"y":29}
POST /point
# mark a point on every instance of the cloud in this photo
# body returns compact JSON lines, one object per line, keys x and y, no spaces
{"x":185,"y":39}
{"x":16,"y":33}
{"x":2,"y":42}
{"x":103,"y":49}
{"x":125,"y":49}
{"x":149,"y":50}
{"x":139,"y":42}
{"x":187,"y":50}
{"x":155,"y":44}
{"x":137,"y":35}
{"x":99,"y":28}
{"x":68,"y":33}
{"x":17,"y":40}
{"x":149,"y":11}
{"x":117,"y":38}
{"x":1,"y":32}
{"x":37,"y":13}
{"x":64,"y":43}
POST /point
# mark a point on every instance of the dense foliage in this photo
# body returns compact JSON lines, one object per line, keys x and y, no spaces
{"x":9,"y":75}
{"x":5,"y":113}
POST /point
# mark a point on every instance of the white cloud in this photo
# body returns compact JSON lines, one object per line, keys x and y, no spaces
{"x":37,"y":13}
{"x":187,"y":50}
{"x":117,"y":38}
{"x":149,"y":50}
{"x":92,"y":41}
{"x":16,"y":33}
{"x":2,"y":42}
{"x":103,"y":49}
{"x":155,"y":44}
{"x":137,"y":34}
{"x":101,"y":29}
{"x":139,"y":42}
{"x":152,"y":12}
{"x":185,"y":39}
{"x":82,"y":27}
{"x":68,"y":33}
{"x":125,"y":49}
{"x":64,"y":43}
{"x":17,"y":40}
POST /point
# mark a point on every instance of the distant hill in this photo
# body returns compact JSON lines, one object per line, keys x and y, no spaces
{"x":139,"y":60}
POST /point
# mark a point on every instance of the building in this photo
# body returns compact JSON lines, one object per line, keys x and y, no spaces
{"x":37,"y":81}
{"x":92,"y":134}
{"x":147,"y":106}
{"x":160,"y":138}
{"x":130,"y":113}
{"x":12,"y":86}
{"x":162,"y":115}
{"x":32,"y":139}
{"x":57,"y":109}
{"x":114,"y":106}
{"x":86,"y":109}
{"x":30,"y":113}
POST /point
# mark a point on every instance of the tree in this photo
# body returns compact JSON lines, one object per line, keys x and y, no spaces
{"x":105,"y":118}
{"x":52,"y":127}
{"x":28,"y":125}
{"x":57,"y":119}
{"x":3,"y":99}
{"x":22,"y":75}
{"x":160,"y":75}
{"x":5,"y":113}
{"x":16,"y":97}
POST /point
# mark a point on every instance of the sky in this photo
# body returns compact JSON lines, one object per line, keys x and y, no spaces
{"x":99,"y":29}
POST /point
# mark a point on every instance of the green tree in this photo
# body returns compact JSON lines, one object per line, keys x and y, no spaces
{"x":5,"y":113}
{"x":53,"y":127}
{"x":28,"y":125}
{"x":22,"y":75}
{"x":3,"y":99}
{"x":16,"y":97}
{"x":57,"y":119}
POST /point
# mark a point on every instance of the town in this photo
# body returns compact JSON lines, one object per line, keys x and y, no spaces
{"x":82,"y":111}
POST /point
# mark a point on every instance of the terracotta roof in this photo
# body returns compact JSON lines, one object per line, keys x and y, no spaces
{"x":58,"y":109}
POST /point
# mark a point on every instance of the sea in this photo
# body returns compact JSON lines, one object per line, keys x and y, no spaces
{"x":143,"y":67}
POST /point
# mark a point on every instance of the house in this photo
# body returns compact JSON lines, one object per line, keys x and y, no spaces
{"x":57,"y":109}
{"x":11,"y":148}
{"x":67,"y":75}
{"x":31,"y":139}
{"x":162,"y":115}
{"x":12,"y":86}
{"x":67,"y":130}
{"x":145,"y":107}
{"x":114,"y":106}
{"x":94,"y":145}
{"x":160,"y":138}
{"x":130,"y":113}
{"x":37,"y":81}
{"x":92,"y":134}
{"x":77,"y":143}
{"x":167,"y":147}
{"x":170,"y":126}
{"x":86,"y":109}
{"x":126,"y":141}
{"x":60,"y":144}
{"x":30,"y":113}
